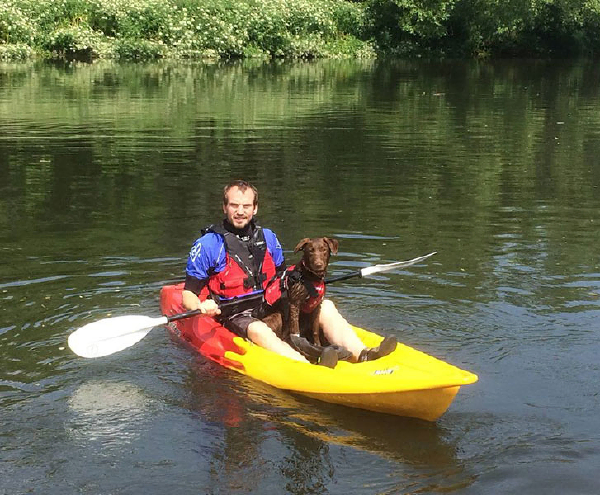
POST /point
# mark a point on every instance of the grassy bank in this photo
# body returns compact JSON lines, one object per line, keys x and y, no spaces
{"x":147,"y":29}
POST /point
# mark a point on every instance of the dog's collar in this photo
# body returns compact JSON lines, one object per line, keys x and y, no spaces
{"x":307,"y":271}
{"x":309,"y":279}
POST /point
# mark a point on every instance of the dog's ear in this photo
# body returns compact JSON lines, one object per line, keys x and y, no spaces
{"x":301,"y":244}
{"x":332,"y":243}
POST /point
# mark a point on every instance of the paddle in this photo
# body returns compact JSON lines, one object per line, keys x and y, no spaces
{"x":110,"y":335}
{"x":370,"y":270}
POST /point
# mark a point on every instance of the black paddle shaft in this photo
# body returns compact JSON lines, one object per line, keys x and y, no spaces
{"x":239,"y":304}
{"x":337,"y":278}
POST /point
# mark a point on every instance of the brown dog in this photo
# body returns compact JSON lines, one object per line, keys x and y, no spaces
{"x":302,"y":289}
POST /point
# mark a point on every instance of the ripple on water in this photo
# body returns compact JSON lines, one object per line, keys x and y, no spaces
{"x":506,"y":454}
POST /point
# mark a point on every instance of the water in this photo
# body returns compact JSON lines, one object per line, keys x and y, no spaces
{"x":108,"y":172}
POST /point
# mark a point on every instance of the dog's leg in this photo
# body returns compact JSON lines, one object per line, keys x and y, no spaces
{"x":314,"y":325}
{"x":294,"y":321}
{"x":297,"y":294}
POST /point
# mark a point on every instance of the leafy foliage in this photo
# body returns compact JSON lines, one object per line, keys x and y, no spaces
{"x":485,"y":27}
{"x":147,"y":29}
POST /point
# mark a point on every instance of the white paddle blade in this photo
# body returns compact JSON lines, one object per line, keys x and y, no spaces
{"x":105,"y":337}
{"x":370,"y":270}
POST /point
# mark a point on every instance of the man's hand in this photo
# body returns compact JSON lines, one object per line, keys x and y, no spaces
{"x":209,"y":308}
{"x":192,"y":303}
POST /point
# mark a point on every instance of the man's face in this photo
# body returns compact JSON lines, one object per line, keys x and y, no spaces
{"x":240,"y":208}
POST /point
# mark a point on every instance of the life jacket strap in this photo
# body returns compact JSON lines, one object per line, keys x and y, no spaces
{"x":310,"y":287}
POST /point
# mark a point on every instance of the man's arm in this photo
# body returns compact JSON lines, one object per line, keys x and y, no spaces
{"x":191,"y":300}
{"x":200,"y":262}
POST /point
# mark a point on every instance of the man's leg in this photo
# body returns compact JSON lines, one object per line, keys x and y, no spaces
{"x":337,"y":330}
{"x":262,"y":335}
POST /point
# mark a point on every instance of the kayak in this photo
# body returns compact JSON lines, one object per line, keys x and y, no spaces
{"x":407,"y":382}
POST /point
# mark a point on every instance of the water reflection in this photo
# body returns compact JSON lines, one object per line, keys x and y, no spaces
{"x":107,"y":414}
{"x":304,"y":439}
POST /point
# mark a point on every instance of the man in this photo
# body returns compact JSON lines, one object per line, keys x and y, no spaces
{"x":239,"y":258}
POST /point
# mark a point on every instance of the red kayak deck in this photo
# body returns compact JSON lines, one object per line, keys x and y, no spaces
{"x":204,"y":334}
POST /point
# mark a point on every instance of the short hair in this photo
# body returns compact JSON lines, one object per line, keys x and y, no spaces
{"x":242,"y":185}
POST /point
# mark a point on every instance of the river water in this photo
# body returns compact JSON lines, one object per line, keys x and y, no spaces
{"x":108,"y":172}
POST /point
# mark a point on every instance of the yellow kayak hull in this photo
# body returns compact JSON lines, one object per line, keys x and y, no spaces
{"x":423,"y":404}
{"x":405,"y":383}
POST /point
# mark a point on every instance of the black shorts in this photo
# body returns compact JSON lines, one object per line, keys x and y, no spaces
{"x":239,"y":322}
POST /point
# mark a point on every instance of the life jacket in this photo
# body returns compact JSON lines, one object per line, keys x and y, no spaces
{"x":278,"y":287}
{"x":248,"y":265}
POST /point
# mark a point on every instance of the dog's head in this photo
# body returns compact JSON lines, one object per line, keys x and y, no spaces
{"x":316,"y":253}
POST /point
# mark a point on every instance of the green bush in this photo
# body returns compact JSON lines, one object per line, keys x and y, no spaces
{"x":132,"y":49}
{"x":485,"y":27}
{"x":590,"y":20}
{"x":14,"y":51}
{"x":409,"y":26}
{"x":16,"y":26}
{"x":72,"y":42}
{"x":141,"y":29}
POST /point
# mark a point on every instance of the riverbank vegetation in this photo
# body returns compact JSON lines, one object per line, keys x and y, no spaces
{"x":150,"y":29}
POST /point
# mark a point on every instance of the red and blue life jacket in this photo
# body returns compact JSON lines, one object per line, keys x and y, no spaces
{"x":249,"y":266}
